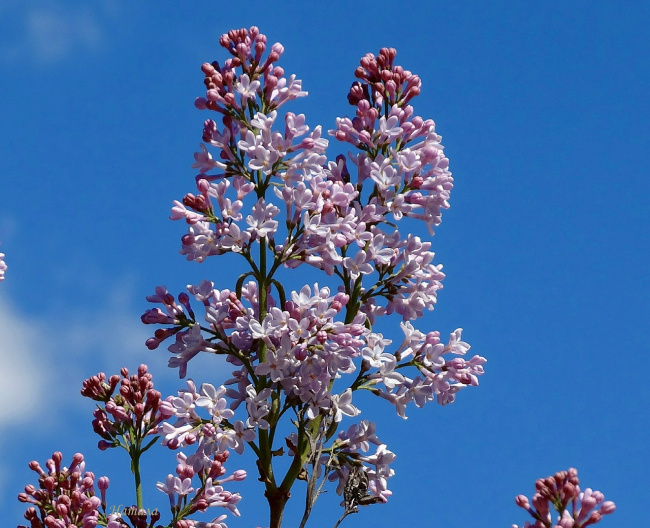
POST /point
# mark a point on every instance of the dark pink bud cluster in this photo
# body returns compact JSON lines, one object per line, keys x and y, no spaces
{"x":133,"y":411}
{"x":96,"y":387}
{"x":65,"y":496}
{"x":381,"y":81}
{"x":561,"y":492}
{"x":229,"y":93}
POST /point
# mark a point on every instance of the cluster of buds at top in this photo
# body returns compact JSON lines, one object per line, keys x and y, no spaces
{"x":228,"y":94}
{"x":380,"y":81}
{"x":561,"y":492}
{"x":65,"y":496}
{"x":127,"y":415}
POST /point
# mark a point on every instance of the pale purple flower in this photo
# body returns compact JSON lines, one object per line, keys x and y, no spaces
{"x":250,"y":142}
{"x":262,"y":159}
{"x":257,"y":406}
{"x":247,"y":88}
{"x":456,"y":345}
{"x":234,"y":239}
{"x":389,"y":129}
{"x":260,"y":221}
{"x":204,"y":162}
{"x":243,"y":435}
{"x":358,"y":264}
{"x":188,"y":344}
{"x":287,"y":90}
{"x":342,"y":404}
{"x":274,"y":366}
{"x":212,"y":400}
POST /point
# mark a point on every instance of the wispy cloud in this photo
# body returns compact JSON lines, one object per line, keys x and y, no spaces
{"x":49,"y":354}
{"x":24,"y":370}
{"x":46,"y":32}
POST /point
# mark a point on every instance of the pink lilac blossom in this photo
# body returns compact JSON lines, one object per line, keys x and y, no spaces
{"x":267,"y":193}
{"x":292,"y":349}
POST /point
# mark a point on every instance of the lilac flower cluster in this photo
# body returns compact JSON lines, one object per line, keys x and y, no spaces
{"x":267,"y":194}
{"x":65,"y":496}
{"x":561,"y":492}
{"x":210,"y":493}
{"x":128,"y":415}
{"x":136,"y":412}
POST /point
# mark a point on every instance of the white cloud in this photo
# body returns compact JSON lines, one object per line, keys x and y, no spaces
{"x":45,"y":357}
{"x":44,"y":32}
{"x":24,"y":370}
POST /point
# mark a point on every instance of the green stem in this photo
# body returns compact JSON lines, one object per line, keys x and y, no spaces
{"x":262,"y":293}
{"x":135,"y":461}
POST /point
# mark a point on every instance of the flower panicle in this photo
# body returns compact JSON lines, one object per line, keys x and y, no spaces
{"x":561,"y":493}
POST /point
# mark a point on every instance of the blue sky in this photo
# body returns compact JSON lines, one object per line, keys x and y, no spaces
{"x":544,"y":113}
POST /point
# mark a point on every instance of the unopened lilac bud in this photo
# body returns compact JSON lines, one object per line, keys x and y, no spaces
{"x":588,"y":503}
{"x":607,"y":508}
{"x":271,"y":82}
{"x":200,"y":505}
{"x":184,"y":471}
{"x":540,"y":503}
{"x":77,"y":459}
{"x":240,"y":474}
{"x":203,"y":186}
{"x":222,"y":457}
{"x":103,"y":445}
{"x":207,"y":68}
{"x":242,"y":50}
{"x":103,"y":483}
{"x":522,"y":501}
{"x":569,"y":490}
{"x":35,"y":466}
{"x":593,"y":518}
{"x":300,"y":352}
{"x":343,"y":298}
